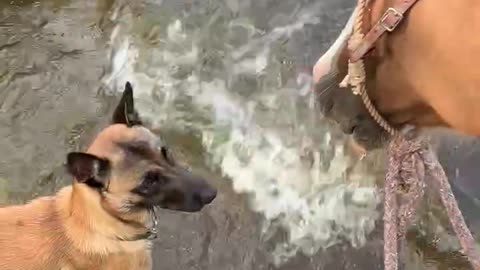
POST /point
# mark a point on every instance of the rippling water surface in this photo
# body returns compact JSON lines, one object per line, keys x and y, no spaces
{"x":227,"y":83}
{"x":214,"y":72}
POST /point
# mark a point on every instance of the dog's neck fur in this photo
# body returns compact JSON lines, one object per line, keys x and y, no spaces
{"x":100,"y":228}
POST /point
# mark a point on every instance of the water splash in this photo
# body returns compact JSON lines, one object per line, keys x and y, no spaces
{"x":253,"y":120}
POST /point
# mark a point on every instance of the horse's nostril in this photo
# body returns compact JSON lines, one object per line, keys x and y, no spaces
{"x":347,"y":128}
{"x":325,"y":107}
{"x":208,"y":196}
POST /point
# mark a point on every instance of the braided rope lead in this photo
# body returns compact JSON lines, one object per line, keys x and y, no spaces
{"x":467,"y":242}
{"x":392,"y":230}
{"x":356,"y":78}
{"x":356,"y":72}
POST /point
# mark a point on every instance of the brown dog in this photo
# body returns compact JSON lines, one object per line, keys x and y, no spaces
{"x":106,"y":218}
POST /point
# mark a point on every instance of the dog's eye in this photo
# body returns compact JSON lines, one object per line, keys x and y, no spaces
{"x":152,"y":181}
{"x":154,"y":177}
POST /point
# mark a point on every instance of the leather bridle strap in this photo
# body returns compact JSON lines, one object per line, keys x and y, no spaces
{"x":387,"y":23}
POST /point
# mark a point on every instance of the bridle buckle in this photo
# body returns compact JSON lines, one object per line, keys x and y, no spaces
{"x":397,"y":18}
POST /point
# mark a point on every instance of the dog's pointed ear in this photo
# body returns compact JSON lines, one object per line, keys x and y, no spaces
{"x":88,"y":169}
{"x":125,"y":112}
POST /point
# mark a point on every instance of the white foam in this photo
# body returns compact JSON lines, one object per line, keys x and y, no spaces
{"x":258,"y":141}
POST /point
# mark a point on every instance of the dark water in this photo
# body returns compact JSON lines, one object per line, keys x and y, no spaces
{"x":57,"y":90}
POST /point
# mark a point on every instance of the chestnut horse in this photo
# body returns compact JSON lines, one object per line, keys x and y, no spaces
{"x":415,"y":69}
{"x":423,"y":73}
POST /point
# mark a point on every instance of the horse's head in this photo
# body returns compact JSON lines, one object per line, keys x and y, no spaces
{"x":339,"y":104}
{"x":397,"y":75}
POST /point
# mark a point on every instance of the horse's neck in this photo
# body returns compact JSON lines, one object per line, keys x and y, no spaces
{"x":434,"y":57}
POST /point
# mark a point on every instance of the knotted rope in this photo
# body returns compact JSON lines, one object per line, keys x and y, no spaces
{"x":409,"y":162}
{"x":356,"y":71}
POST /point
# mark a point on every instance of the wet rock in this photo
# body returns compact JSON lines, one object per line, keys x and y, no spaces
{"x":50,"y":64}
{"x":40,"y":95}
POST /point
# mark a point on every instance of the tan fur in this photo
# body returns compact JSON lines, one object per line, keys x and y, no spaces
{"x":50,"y":233}
{"x":72,"y":229}
{"x":424,"y":73}
{"x":102,"y":221}
{"x":427,"y":70}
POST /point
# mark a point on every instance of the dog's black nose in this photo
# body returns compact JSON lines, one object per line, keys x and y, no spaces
{"x":207,"y":196}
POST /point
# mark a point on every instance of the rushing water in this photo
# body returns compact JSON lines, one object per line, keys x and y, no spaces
{"x":227,"y":82}
{"x":212,"y":72}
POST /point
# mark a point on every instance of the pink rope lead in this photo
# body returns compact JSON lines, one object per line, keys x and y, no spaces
{"x":402,"y":172}
{"x":390,"y":229}
{"x":467,"y":242}
{"x":408,"y":163}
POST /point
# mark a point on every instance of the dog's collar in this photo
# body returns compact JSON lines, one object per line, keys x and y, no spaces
{"x":151,"y":233}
